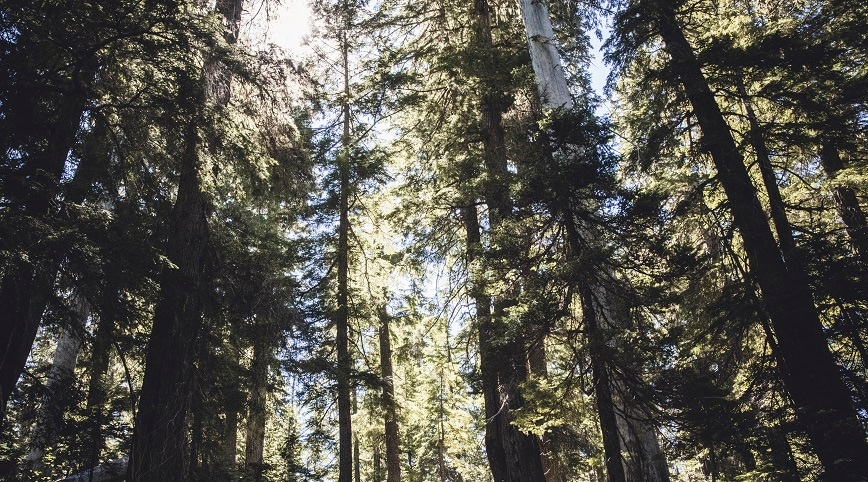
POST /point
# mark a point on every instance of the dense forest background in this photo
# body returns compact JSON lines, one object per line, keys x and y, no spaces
{"x":423,"y":248}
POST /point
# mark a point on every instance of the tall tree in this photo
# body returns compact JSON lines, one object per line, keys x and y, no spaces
{"x":160,"y":436}
{"x":807,"y":368}
{"x":625,"y":427}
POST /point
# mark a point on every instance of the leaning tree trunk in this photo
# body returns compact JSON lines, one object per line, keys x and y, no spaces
{"x":644,"y":460}
{"x":61,"y":378}
{"x":821,"y":400}
{"x":25,"y":285}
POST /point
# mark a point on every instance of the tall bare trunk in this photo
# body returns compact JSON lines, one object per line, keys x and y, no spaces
{"x":807,"y":367}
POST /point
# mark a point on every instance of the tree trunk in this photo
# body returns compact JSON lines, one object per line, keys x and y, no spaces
{"x":513,"y":455}
{"x":230,"y":439}
{"x":644,"y":460}
{"x":25,"y":285}
{"x":776,"y":200}
{"x":821,"y":400}
{"x":846,"y":202}
{"x":603,"y":396}
{"x":548,"y":449}
{"x":545,"y":59}
{"x":393,"y":460}
{"x":160,"y":436}
{"x":256,"y":414}
{"x":61,"y":379}
{"x":344,"y":362}
{"x":97,"y":392}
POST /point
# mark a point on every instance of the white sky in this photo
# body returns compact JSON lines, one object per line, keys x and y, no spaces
{"x":286,"y":24}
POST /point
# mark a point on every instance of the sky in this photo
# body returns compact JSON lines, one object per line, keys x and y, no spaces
{"x":285,"y":24}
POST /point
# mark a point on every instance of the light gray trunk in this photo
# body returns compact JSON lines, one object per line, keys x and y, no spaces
{"x":60,"y":379}
{"x":643,"y":459}
{"x":550,"y":76}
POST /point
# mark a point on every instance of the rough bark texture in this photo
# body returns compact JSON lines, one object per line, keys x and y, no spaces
{"x":393,"y":461}
{"x":160,"y":436}
{"x":643,"y":459}
{"x":546,"y":61}
{"x":821,"y":400}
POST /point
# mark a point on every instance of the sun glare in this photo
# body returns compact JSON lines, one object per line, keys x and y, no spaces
{"x":285,"y":25}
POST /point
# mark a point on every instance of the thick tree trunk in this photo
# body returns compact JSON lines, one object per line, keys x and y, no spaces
{"x":159,"y":445}
{"x":807,"y":367}
{"x":545,"y":59}
{"x":160,"y":437}
{"x":644,"y":460}
{"x":60,"y":381}
{"x":513,"y":455}
{"x":393,"y":461}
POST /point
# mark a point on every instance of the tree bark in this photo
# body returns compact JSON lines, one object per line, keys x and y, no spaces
{"x":256,"y":414}
{"x":821,"y":400}
{"x":97,"y":385}
{"x":344,"y":362}
{"x":846,"y":202}
{"x":61,"y":379}
{"x":160,"y":436}
{"x":25,"y":285}
{"x":513,"y":455}
{"x":393,"y":460}
{"x":770,"y":180}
